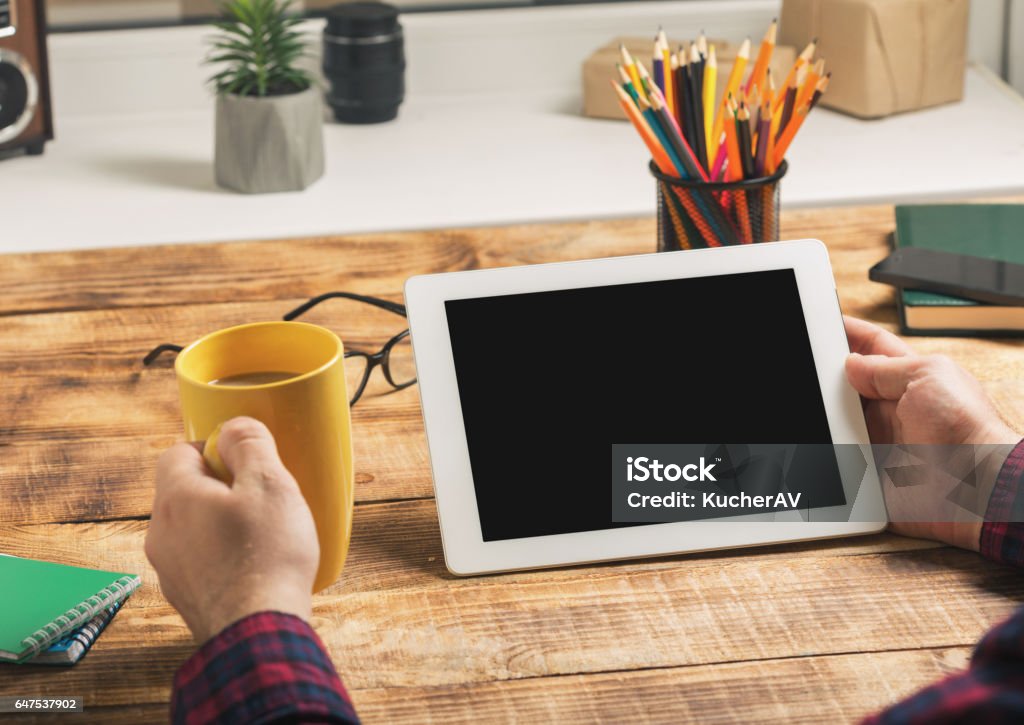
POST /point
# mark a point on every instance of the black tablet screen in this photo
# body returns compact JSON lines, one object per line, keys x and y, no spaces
{"x":548,"y":381}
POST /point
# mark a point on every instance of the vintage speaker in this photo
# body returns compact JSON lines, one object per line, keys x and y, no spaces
{"x":25,"y":119}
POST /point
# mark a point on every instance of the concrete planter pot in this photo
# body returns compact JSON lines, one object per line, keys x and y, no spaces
{"x":269,"y":144}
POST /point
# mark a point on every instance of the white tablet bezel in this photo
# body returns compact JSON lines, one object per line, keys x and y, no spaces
{"x":464,"y":548}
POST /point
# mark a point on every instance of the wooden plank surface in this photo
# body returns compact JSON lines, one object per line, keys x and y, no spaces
{"x":823,"y":631}
{"x":576,"y":622}
{"x":839,"y":688}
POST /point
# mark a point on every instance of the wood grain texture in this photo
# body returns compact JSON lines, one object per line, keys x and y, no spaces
{"x":833,"y":689}
{"x":84,"y":415}
{"x":840,"y":688}
{"x":397,"y":620}
{"x":806,"y":632}
{"x":620,"y":621}
{"x":397,"y":546}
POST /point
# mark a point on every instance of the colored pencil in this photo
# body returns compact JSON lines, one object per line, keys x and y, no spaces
{"x":645,"y":79}
{"x":699,"y":142}
{"x":711,"y":212}
{"x":630,"y":66}
{"x":627,"y":82}
{"x":732,"y":86}
{"x":685,"y":97}
{"x":744,"y":138}
{"x":769,"y":154}
{"x":734,"y":172}
{"x":678,"y":110}
{"x":764,"y":54}
{"x":751,"y":102}
{"x":657,"y":67}
{"x":764,"y":131}
{"x":658,"y":154}
{"x":710,"y":81}
{"x":783,"y":142}
{"x":676,"y":140}
{"x":814,"y":74}
{"x":801,"y":60}
{"x":718,"y":166}
{"x":710,"y":228}
{"x":735,"y":167}
{"x":820,"y":90}
{"x":666,"y":60}
{"x":786,"y":112}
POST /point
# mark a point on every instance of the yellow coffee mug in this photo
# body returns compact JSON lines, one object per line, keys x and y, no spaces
{"x":307,"y":414}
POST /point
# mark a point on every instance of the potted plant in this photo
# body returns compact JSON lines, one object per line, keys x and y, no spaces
{"x":269,"y":133}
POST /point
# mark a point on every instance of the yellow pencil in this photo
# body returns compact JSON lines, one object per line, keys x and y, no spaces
{"x":710,"y":79}
{"x":630,"y":66}
{"x":764,"y":54}
{"x":666,"y":62}
{"x":731,"y":89}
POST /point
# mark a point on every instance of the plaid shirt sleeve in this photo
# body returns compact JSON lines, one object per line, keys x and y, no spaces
{"x":992,"y":688}
{"x":266,"y":668}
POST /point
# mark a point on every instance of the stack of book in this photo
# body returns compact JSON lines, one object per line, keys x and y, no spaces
{"x":51,"y":614}
{"x":989,"y":231}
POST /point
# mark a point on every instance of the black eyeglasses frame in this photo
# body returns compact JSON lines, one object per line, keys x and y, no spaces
{"x":380,"y":358}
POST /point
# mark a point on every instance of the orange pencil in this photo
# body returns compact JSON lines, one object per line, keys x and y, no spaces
{"x":803,"y":59}
{"x":734,"y":170}
{"x":768,"y":94}
{"x":640,"y":123}
{"x":764,"y":54}
{"x":788,"y":133}
{"x":814,"y":75}
{"x":820,"y":90}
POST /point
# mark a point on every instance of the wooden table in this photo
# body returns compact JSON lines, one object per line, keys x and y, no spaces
{"x":823,"y":631}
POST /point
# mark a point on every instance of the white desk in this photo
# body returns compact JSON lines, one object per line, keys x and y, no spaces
{"x":456,"y":160}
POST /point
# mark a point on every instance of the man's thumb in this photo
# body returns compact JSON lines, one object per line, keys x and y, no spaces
{"x":880,"y":377}
{"x":244,"y":445}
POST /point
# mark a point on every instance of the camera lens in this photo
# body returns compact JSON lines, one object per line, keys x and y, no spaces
{"x":364,"y":62}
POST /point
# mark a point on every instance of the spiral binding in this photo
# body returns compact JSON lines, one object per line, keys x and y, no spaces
{"x":79,"y":614}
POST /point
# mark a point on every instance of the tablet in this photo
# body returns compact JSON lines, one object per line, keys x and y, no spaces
{"x":542,"y":385}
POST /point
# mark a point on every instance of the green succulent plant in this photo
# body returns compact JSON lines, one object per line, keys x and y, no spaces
{"x":258,"y":47}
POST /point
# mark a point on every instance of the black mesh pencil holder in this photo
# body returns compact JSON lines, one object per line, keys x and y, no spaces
{"x":696,"y":214}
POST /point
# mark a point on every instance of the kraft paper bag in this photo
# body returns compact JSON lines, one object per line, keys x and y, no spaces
{"x":886,"y":56}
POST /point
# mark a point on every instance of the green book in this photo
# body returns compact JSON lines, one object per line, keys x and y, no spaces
{"x":995,"y":231}
{"x":42,"y":602}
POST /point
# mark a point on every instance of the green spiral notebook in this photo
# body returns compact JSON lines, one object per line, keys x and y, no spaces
{"x":41,"y":602}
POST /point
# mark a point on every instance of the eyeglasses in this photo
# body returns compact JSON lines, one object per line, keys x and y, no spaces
{"x":394,"y":358}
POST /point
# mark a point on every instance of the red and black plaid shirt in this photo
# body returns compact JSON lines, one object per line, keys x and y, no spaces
{"x":272,"y":668}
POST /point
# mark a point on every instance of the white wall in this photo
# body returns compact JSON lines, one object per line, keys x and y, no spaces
{"x":1015,"y":54}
